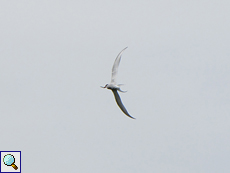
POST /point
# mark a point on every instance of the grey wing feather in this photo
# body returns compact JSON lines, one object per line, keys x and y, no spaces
{"x":119,"y":103}
{"x":115,"y":67}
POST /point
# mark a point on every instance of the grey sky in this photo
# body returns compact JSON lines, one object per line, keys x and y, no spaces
{"x":54,"y":55}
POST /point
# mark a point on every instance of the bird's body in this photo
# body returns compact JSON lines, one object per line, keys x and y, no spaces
{"x":112,"y":86}
{"x":116,"y":87}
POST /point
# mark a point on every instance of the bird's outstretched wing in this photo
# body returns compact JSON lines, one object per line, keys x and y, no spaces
{"x":115,"y":67}
{"x":119,"y":103}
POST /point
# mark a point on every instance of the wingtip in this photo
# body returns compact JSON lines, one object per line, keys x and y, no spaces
{"x":125,"y":48}
{"x":131,"y":117}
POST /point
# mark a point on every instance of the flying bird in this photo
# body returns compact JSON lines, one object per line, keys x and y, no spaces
{"x":116,"y":87}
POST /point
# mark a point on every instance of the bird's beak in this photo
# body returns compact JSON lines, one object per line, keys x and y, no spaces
{"x":102,"y":86}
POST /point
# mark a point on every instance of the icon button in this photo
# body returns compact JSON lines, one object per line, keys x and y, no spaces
{"x":9,"y":160}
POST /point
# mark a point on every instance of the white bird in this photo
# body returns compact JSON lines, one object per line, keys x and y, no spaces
{"x":116,"y":87}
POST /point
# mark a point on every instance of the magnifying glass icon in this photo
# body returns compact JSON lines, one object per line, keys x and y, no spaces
{"x":9,"y":160}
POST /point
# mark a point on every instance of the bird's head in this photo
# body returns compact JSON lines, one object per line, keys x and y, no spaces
{"x":104,"y":86}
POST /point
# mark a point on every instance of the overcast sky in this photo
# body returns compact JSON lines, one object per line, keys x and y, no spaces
{"x":54,"y":55}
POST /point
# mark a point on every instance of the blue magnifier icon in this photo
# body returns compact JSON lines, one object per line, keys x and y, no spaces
{"x":9,"y":160}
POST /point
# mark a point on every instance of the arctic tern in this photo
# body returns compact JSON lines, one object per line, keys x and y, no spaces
{"x":116,"y":87}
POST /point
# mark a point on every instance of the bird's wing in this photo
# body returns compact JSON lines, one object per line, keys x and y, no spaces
{"x":119,"y":103}
{"x":115,"y":67}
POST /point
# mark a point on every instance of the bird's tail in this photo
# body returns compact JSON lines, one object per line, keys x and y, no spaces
{"x":122,"y":91}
